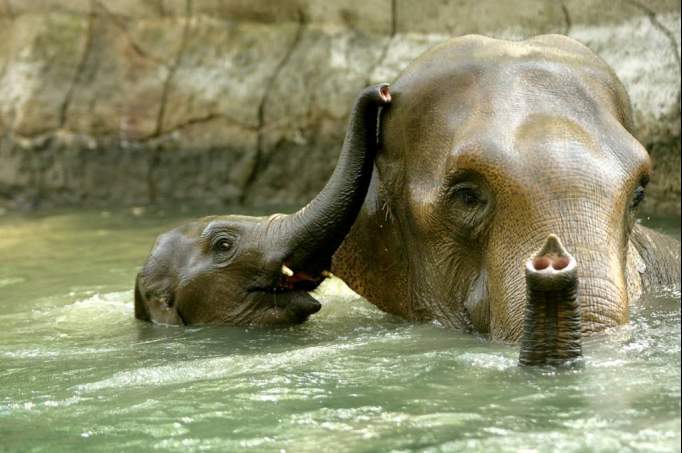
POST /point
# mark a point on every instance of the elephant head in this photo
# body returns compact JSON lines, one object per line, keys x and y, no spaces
{"x":241,"y":270}
{"x":493,"y":150}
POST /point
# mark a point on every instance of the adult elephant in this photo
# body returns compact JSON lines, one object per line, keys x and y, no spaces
{"x":495,"y":152}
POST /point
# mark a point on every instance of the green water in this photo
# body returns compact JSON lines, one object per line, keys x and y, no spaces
{"x":78,"y":372}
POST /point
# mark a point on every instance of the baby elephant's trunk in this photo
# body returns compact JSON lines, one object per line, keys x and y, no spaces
{"x":552,"y":328}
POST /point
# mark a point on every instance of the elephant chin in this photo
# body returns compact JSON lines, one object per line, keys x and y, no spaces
{"x":289,"y":307}
{"x":552,"y":324}
{"x":302,"y":306}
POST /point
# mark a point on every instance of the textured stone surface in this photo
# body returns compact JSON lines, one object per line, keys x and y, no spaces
{"x":222,"y":101}
{"x":487,"y":17}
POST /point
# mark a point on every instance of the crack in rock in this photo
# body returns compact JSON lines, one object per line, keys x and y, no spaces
{"x":37,"y":140}
{"x":389,"y":41}
{"x":10,"y":10}
{"x":118,"y":23}
{"x":172,"y":70}
{"x":199,"y":120}
{"x":669,"y":34}
{"x":568,"y":22}
{"x":394,"y":17}
{"x":80,"y":68}
{"x":155,"y":153}
{"x":162,"y":10}
{"x":259,"y":163}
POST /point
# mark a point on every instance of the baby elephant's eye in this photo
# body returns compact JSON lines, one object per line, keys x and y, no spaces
{"x":223,"y":245}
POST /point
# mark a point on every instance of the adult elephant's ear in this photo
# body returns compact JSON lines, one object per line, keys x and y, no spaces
{"x":155,"y":304}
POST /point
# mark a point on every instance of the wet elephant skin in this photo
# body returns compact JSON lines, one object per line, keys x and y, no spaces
{"x":489,"y":147}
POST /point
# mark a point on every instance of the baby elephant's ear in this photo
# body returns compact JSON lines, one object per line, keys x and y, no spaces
{"x":156,"y":306}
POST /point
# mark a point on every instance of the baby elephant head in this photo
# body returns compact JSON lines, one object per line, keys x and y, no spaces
{"x":241,"y":270}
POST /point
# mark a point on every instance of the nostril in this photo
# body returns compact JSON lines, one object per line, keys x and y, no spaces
{"x":540,"y":263}
{"x":560,"y":263}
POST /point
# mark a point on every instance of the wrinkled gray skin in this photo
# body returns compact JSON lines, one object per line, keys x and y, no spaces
{"x":489,"y":148}
{"x":257,"y":271}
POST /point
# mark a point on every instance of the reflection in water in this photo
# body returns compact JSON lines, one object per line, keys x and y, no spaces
{"x":76,"y":370}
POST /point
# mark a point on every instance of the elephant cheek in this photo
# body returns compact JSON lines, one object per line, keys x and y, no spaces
{"x":477,"y":303}
{"x":634,"y":271}
{"x":506,"y":297}
{"x":163,"y":310}
{"x":158,"y":306}
{"x":507,"y":309}
{"x":204,"y":301}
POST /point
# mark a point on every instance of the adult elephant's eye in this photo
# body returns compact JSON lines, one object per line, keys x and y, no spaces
{"x":639,"y":194}
{"x":637,"y":197}
{"x":468,"y":201}
{"x":468,"y":195}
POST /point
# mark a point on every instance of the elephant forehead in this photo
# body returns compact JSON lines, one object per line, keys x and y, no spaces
{"x":510,"y":109}
{"x":173,"y":253}
{"x":497,"y":105}
{"x":489,"y":87}
{"x":486,"y":72}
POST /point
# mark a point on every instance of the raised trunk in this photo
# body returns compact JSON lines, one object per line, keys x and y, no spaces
{"x":552,"y":325}
{"x":315,"y":232}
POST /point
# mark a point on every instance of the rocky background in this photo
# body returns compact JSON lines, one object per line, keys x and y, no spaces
{"x":181,"y":102}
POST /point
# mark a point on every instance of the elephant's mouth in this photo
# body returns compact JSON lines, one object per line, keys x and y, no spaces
{"x":289,"y":293}
{"x":291,"y":282}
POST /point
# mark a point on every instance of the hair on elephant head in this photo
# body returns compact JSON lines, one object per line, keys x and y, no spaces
{"x":241,"y":270}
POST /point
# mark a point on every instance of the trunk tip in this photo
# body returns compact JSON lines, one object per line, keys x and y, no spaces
{"x":553,"y":246}
{"x":385,"y":93}
{"x":553,"y":256}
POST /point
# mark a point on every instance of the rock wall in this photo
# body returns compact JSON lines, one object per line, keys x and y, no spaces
{"x":134,"y":102}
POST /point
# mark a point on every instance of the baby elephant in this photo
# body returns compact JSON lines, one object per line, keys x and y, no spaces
{"x":239,"y":270}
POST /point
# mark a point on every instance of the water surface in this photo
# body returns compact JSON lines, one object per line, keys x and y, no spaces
{"x":78,"y":372}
